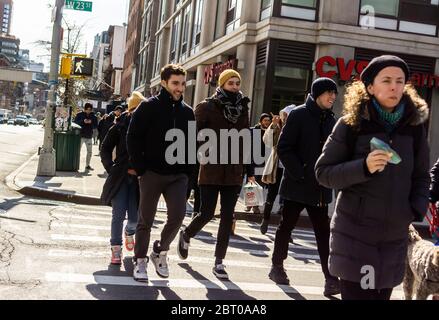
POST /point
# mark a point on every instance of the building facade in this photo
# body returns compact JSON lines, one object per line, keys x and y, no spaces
{"x":132,"y":47}
{"x":5,"y":16}
{"x":9,"y":49}
{"x":280,"y":46}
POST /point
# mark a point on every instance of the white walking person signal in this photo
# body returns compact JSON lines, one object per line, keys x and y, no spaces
{"x":78,"y":67}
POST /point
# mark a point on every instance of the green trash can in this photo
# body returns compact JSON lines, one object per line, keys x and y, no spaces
{"x":68,"y":147}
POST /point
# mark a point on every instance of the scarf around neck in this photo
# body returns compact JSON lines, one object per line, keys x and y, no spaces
{"x":232,"y":109}
{"x":390,"y":119}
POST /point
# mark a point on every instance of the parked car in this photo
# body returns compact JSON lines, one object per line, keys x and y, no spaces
{"x":33,"y":121}
{"x":21,"y":120}
{"x":11,"y":121}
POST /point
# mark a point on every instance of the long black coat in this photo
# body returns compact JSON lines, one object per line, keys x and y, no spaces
{"x":118,"y":168}
{"x":373,"y":212}
{"x":299,"y":147}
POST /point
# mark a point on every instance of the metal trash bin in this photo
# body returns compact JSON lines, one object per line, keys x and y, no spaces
{"x":68,"y":147}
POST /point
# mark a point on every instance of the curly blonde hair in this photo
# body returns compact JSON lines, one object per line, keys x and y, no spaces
{"x":357,"y":96}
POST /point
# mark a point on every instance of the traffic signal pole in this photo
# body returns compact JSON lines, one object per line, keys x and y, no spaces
{"x":47,"y":159}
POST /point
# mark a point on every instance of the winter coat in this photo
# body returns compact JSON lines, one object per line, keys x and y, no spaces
{"x":117,"y":169}
{"x":434,"y":188}
{"x":299,"y":147}
{"x":146,"y":138}
{"x":373,"y":211}
{"x":271,"y":140}
{"x":209,"y":115}
{"x":86,"y":128}
{"x":105,"y":124}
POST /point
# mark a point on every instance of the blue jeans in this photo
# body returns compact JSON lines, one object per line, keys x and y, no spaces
{"x":124,"y":202}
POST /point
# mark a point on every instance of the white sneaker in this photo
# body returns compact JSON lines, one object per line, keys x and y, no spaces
{"x":160,"y":262}
{"x":140,"y":270}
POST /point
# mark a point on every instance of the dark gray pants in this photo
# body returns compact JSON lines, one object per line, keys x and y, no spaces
{"x":152,"y":186}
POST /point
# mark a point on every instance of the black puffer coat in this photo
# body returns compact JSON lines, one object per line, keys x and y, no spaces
{"x":434,"y":189}
{"x":300,"y":145}
{"x":373,"y":212}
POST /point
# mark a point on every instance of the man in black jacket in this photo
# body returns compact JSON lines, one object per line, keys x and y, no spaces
{"x":147,"y":150}
{"x":88,"y":121}
{"x":300,"y":145}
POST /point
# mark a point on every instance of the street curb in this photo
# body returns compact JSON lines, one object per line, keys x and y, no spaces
{"x":10,"y":181}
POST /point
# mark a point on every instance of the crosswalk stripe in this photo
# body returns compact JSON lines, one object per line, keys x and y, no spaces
{"x":207,"y":247}
{"x":256,"y":240}
{"x":192,"y":259}
{"x":212,"y":224}
{"x":187,"y":284}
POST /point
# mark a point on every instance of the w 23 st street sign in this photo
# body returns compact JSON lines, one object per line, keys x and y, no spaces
{"x":79,"y":5}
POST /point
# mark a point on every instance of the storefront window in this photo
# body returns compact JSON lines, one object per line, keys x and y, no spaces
{"x":290,"y":86}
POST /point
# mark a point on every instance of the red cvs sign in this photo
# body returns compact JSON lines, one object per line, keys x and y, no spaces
{"x":346,"y":69}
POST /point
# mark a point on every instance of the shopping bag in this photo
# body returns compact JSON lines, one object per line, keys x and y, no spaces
{"x":253,"y":195}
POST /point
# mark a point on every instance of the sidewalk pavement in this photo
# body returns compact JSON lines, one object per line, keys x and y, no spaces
{"x":85,"y":187}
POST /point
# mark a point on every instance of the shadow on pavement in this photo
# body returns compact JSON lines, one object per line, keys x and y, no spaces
{"x":137,"y":291}
{"x":215,"y":292}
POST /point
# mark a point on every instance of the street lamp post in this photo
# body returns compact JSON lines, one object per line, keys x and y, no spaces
{"x":47,"y":159}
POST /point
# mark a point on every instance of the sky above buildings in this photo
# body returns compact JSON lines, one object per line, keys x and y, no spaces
{"x":31,"y":21}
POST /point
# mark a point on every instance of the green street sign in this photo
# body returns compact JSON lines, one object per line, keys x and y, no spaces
{"x":79,"y":5}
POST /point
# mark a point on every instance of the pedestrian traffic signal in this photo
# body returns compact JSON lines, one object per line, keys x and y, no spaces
{"x":82,"y":67}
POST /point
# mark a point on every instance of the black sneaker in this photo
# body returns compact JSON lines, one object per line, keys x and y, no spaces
{"x":220,"y":272}
{"x":89,"y":168}
{"x":264,"y":226}
{"x":183,"y":246}
{"x":278,"y":275}
{"x":332,"y":287}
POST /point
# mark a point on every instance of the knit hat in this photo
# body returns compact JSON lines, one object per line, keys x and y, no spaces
{"x":265,"y":115}
{"x":134,"y":101}
{"x":379,"y":63}
{"x":119,"y":107}
{"x":321,"y":85}
{"x":226,"y":75}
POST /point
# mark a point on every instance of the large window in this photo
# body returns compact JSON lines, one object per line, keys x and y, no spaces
{"x":185,"y":32}
{"x":266,"y":9}
{"x":387,"y":8}
{"x":233,"y":15}
{"x":299,"y":9}
{"x":413,"y":16}
{"x":174,"y":39}
{"x":196,"y":32}
{"x":158,"y":52}
{"x":163,"y":16}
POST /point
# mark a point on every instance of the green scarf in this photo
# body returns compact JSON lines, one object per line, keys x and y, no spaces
{"x":390,"y":119}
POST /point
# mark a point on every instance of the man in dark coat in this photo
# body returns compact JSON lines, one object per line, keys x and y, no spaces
{"x":88,"y":121}
{"x":300,"y":145}
{"x":148,"y":153}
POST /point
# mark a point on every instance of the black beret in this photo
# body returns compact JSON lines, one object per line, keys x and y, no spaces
{"x":379,"y":63}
